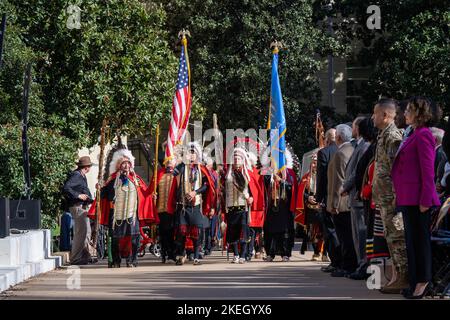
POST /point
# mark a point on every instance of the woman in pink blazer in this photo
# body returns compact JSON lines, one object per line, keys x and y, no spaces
{"x":413,"y":178}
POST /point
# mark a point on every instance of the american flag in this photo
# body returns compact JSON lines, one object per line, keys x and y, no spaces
{"x":181,"y":107}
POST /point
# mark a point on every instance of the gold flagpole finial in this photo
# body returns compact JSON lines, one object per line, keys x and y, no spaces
{"x":276,"y":45}
{"x":182,"y":35}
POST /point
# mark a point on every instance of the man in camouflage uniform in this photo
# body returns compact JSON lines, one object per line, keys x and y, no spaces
{"x":389,"y":140}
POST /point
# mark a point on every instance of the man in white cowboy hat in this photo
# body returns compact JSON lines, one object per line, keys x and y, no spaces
{"x":195,"y":198}
{"x":78,"y":197}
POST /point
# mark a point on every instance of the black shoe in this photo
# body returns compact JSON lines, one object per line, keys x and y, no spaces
{"x":358,"y":275}
{"x":328,"y":269}
{"x":425,"y":292}
{"x":339,"y":273}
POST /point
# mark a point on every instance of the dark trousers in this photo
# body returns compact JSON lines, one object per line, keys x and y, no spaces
{"x":115,"y":248}
{"x":101,"y":242}
{"x":237,"y":231}
{"x":66,"y":232}
{"x":206,"y":243}
{"x":123,"y":235}
{"x":189,"y":222}
{"x":331,"y":242}
{"x":253,"y":234}
{"x":243,"y":248}
{"x":342,"y":223}
{"x":279,"y":243}
{"x":418,"y":244}
{"x":308,"y":239}
{"x":180,"y":245}
{"x":214,"y":224}
{"x":166,"y":235}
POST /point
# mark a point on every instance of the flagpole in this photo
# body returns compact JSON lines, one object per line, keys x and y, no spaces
{"x":155,"y":170}
{"x":320,"y":136}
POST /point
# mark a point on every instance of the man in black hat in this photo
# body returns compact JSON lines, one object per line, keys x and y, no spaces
{"x":78,"y":197}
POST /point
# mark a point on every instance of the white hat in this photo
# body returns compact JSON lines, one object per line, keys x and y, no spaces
{"x":197,"y":149}
{"x":119,"y":157}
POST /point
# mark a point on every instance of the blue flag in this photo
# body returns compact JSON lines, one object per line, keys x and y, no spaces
{"x":277,"y":121}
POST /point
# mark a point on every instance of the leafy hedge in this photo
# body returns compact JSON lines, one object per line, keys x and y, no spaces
{"x":52,"y":156}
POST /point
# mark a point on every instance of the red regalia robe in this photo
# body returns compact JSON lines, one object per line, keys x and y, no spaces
{"x":146,"y":213}
{"x":300,"y":201}
{"x":209,"y":198}
{"x":256,"y":186}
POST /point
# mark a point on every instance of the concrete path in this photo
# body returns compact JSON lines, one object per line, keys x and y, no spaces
{"x":216,"y":278}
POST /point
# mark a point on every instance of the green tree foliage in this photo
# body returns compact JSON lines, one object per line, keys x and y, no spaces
{"x":117,"y":65}
{"x":51,"y":156}
{"x":410,"y":54}
{"x":231,"y":60}
{"x":16,"y":55}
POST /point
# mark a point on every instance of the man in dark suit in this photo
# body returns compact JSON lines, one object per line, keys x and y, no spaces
{"x":440,"y":158}
{"x":323,"y":158}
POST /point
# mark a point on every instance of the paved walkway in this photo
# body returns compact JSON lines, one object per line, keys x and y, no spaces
{"x":216,"y":278}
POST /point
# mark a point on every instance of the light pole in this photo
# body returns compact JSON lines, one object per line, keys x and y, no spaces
{"x":328,"y":7}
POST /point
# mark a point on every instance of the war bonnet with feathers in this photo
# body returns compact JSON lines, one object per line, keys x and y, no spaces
{"x":244,"y":178}
{"x":292,"y":161}
{"x":120,"y":156}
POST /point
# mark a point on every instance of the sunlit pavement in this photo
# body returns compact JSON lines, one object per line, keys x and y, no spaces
{"x":215,"y":278}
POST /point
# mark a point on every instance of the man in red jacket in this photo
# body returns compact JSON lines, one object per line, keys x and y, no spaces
{"x":126,"y":204}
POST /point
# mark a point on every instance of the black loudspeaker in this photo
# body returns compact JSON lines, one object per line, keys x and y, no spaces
{"x":4,"y":217}
{"x":25,"y":214}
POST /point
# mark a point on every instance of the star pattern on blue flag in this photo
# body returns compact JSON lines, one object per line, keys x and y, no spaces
{"x":183,"y":76}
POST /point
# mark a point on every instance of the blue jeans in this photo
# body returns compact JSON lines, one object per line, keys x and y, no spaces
{"x":66,"y":232}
